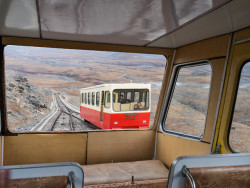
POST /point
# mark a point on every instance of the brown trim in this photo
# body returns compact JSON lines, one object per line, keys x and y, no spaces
{"x":4,"y":128}
{"x":2,"y":89}
{"x":22,"y":41}
{"x":38,"y":17}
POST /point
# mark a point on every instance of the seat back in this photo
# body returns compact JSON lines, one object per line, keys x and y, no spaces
{"x":227,"y":170}
{"x":125,"y":107}
{"x":117,"y":107}
{"x":51,"y":174}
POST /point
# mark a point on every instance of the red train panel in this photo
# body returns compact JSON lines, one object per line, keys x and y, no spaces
{"x":117,"y":120}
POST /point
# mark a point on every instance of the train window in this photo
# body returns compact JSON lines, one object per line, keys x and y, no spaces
{"x":93,"y":98}
{"x":132,"y":101}
{"x":188,"y":103}
{"x":38,"y":78}
{"x":107,"y":99}
{"x":136,"y":97}
{"x":88,"y":98}
{"x":82,"y":97}
{"x":147,"y":99}
{"x":129,"y":95}
{"x":85,"y":98}
{"x":97,"y":98}
{"x":240,"y":126}
{"x":115,"y":97}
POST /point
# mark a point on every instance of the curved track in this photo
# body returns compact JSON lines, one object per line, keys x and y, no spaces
{"x":62,"y":118}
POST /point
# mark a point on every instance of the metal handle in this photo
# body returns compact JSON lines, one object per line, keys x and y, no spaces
{"x":186,"y":173}
{"x":71,"y":179}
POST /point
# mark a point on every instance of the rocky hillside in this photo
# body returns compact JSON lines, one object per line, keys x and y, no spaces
{"x":27,"y":104}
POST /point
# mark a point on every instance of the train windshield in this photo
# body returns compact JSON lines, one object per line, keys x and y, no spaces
{"x":130,"y":100}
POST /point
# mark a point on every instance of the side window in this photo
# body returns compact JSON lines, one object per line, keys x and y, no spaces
{"x":97,"y":98}
{"x":129,"y":95}
{"x":187,"y":107}
{"x":85,"y":98}
{"x":137,"y":96}
{"x":82,"y":97}
{"x":107,"y":99}
{"x":88,"y":97}
{"x":93,"y":98}
{"x":240,"y":128}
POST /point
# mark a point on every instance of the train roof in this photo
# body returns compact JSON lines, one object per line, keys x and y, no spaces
{"x":152,"y":24}
{"x":120,"y":85}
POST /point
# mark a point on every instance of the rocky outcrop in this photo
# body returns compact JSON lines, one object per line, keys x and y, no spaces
{"x":26,"y":103}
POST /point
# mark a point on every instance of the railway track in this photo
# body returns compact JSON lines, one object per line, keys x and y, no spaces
{"x":63,"y":118}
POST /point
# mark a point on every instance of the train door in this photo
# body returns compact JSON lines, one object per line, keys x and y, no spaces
{"x":233,"y":132}
{"x":102,"y":106}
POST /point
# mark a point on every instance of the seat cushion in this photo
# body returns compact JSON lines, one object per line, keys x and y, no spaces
{"x":122,"y":172}
{"x":41,"y":182}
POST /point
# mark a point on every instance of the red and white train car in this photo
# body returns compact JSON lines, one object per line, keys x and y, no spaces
{"x":117,"y":106}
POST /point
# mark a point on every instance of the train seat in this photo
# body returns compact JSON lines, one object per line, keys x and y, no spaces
{"x":150,"y":173}
{"x":227,"y":176}
{"x":227,"y":170}
{"x":61,"y":175}
{"x":132,"y":106}
{"x":125,"y":107}
{"x":117,"y":107}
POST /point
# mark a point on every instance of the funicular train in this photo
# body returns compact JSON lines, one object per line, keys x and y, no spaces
{"x":116,"y":106}
{"x":188,"y":33}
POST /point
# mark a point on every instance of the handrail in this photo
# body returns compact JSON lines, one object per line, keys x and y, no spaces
{"x":186,"y":173}
{"x":71,"y":179}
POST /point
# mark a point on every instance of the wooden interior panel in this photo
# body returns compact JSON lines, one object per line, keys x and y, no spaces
{"x":240,"y":54}
{"x":242,"y":34}
{"x":22,"y":41}
{"x":206,"y":49}
{"x":170,"y":147}
{"x":44,"y":148}
{"x":120,"y":146}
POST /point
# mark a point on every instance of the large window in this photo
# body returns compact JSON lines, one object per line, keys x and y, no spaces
{"x":239,"y":137}
{"x":188,"y":104}
{"x":37,"y":79}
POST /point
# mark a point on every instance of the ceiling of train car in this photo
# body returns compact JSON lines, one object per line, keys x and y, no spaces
{"x":156,"y":23}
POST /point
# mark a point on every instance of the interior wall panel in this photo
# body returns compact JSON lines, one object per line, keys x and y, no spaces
{"x":170,"y":147}
{"x":120,"y":146}
{"x":44,"y":148}
{"x":206,"y":49}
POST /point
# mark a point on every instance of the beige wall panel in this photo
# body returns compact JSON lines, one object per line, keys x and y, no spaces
{"x":242,"y":34}
{"x":218,"y":69}
{"x":170,"y":147}
{"x":44,"y":148}
{"x":206,"y":49}
{"x":120,"y":146}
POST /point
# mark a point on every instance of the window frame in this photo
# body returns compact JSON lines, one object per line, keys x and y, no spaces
{"x":234,"y":103}
{"x":169,"y":96}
